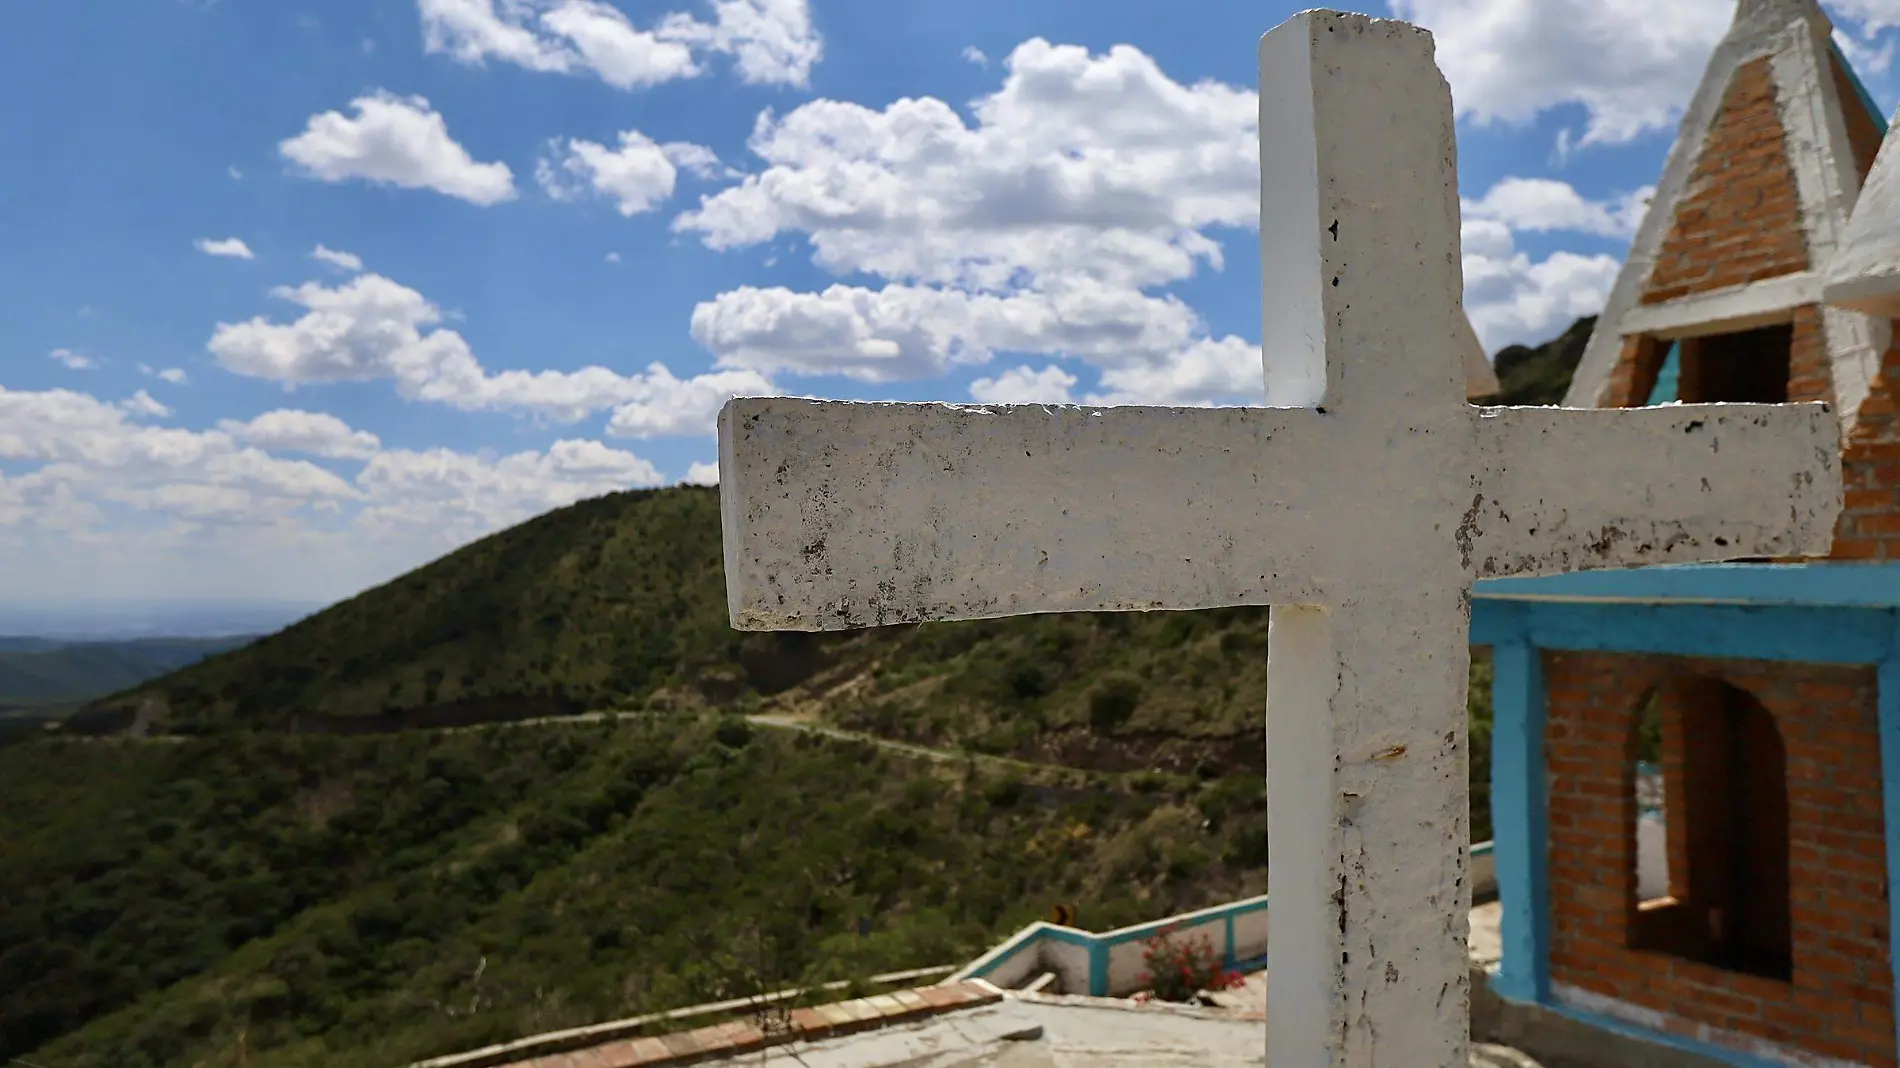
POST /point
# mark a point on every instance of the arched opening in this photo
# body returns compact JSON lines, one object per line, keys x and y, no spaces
{"x":1724,"y":899}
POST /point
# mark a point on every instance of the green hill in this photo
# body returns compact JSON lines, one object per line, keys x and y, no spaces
{"x":365,"y":901}
{"x":38,"y":672}
{"x":295,"y":870}
{"x":1541,"y":374}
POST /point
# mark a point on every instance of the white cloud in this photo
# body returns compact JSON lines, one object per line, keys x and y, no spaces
{"x":230,"y":247}
{"x":142,"y":405}
{"x":91,"y":451}
{"x":1044,"y":226}
{"x":1872,"y":15}
{"x":110,"y":506}
{"x":72,"y":361}
{"x":1083,"y":181}
{"x":1093,"y":165}
{"x":771,"y":42}
{"x":657,"y":404}
{"x":975,"y":55}
{"x":236,"y":175}
{"x":1631,"y":65}
{"x":613,"y":257}
{"x":702,"y":474}
{"x":457,"y":491}
{"x":1511,"y":298}
{"x":398,"y":141}
{"x":370,"y":327}
{"x":638,"y":175}
{"x":1025,"y":385}
{"x":910,"y":331}
{"x":343,"y":261}
{"x":1543,"y":204}
{"x":170,"y":374}
{"x":313,"y":433}
{"x":1211,"y":371}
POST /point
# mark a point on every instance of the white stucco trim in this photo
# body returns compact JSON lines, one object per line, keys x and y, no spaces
{"x":1865,"y":274}
{"x":1580,"y":1000}
{"x":1744,"y":307}
{"x":1814,"y":125}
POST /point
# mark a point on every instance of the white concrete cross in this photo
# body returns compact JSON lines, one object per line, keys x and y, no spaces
{"x":1362,"y":511}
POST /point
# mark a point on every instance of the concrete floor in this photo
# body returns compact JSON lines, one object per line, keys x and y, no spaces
{"x":1061,"y":1032}
{"x":1048,"y":1034}
{"x":1053,"y":1034}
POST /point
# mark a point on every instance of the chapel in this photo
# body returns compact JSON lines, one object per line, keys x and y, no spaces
{"x":1696,"y":769}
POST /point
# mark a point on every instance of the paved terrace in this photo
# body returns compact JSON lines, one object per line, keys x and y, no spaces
{"x":973,"y":1024}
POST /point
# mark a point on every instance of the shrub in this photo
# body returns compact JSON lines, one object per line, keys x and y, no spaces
{"x":1113,"y":699}
{"x":1178,"y":969}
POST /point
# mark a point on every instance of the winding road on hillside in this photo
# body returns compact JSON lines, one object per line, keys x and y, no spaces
{"x":770,"y":721}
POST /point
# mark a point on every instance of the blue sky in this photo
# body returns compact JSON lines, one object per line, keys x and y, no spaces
{"x":301,"y":295}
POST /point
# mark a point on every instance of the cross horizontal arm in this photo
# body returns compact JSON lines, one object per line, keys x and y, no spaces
{"x":841,"y":514}
{"x":1564,"y":489}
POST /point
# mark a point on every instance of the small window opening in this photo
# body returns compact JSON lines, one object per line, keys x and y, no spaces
{"x":1741,"y":368}
{"x":1711,"y":877}
{"x":1652,"y":830}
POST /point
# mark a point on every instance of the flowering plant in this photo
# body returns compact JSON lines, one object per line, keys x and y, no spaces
{"x":1178,"y":969}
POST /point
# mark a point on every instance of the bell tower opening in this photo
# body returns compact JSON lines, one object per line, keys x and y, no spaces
{"x":1747,"y":367}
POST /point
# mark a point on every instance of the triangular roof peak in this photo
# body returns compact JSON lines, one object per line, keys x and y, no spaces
{"x":1770,"y":15}
{"x":1747,"y":215}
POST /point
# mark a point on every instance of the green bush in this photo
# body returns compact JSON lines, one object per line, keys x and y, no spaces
{"x":1113,"y":699}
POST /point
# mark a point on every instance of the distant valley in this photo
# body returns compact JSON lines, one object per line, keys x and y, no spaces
{"x":42,"y":676}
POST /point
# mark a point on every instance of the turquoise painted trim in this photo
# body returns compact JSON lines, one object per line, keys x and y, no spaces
{"x":1860,"y":87}
{"x":1484,"y":849}
{"x":1099,"y":945}
{"x":1599,"y":1021}
{"x":1141,"y":931}
{"x":1817,"y":585}
{"x":1888,"y":701}
{"x":1668,"y":378}
{"x":1800,"y":634}
{"x":1520,"y":840}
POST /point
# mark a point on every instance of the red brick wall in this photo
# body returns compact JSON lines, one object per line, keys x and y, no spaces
{"x":1739,"y":219}
{"x":1869,"y":528}
{"x":1840,"y":1001}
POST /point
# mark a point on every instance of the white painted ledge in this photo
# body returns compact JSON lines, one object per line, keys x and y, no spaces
{"x":1725,"y":311}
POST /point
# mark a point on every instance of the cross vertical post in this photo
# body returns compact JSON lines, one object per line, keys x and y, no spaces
{"x":1367,"y":767}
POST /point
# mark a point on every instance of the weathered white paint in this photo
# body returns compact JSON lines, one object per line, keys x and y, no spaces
{"x":1069,"y":962}
{"x":1864,"y":274}
{"x":1793,"y":34}
{"x":1723,"y":311}
{"x":1581,"y":1000}
{"x":1828,"y":183}
{"x":1363,"y":518}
